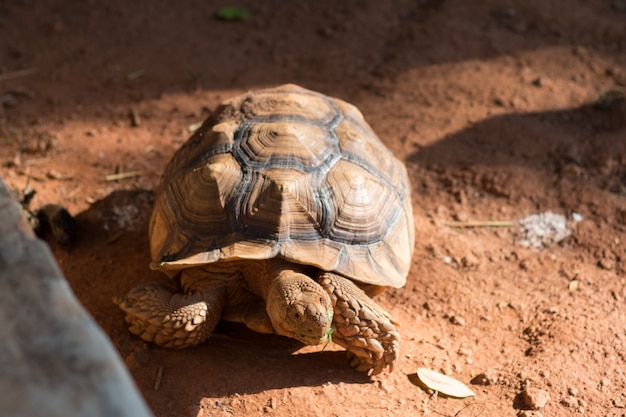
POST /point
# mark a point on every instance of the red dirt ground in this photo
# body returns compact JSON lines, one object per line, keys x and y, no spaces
{"x":500,"y":109}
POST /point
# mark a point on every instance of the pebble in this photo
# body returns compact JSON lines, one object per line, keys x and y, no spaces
{"x":535,"y":398}
{"x":569,"y":401}
{"x":55,"y":175}
{"x":465,"y":351}
{"x":606,"y":263}
{"x":470,"y":261}
{"x":529,"y":413}
{"x":483,"y":378}
{"x":619,"y":403}
{"x":457,"y":321}
{"x":385,"y":386}
{"x":540,"y":82}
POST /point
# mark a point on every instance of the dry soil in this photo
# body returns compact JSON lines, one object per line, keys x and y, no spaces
{"x":500,"y":110}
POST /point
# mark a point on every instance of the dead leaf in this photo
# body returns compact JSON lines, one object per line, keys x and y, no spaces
{"x":444,"y":384}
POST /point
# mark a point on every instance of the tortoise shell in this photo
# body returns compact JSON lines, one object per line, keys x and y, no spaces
{"x":286,"y":172}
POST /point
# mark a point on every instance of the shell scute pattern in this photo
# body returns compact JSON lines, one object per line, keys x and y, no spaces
{"x":286,"y":172}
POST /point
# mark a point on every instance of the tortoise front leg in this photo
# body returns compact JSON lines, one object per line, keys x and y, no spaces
{"x":172,"y":320}
{"x":366,"y":330}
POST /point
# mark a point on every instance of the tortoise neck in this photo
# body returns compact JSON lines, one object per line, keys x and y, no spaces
{"x":279,"y":267}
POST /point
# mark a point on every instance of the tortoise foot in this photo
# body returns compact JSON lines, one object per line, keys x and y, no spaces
{"x":172,"y":320}
{"x":362,"y":326}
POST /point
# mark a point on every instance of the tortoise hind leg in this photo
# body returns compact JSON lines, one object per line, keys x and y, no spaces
{"x":366,"y":330}
{"x":172,"y":320}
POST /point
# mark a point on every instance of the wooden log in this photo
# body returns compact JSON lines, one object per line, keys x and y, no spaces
{"x":54,"y":359}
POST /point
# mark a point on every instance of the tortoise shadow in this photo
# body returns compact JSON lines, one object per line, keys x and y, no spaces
{"x":111,"y":255}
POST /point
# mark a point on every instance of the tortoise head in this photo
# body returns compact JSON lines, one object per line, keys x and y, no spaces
{"x":299,"y":308}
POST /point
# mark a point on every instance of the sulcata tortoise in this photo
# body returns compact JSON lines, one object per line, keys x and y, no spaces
{"x":284,"y":212}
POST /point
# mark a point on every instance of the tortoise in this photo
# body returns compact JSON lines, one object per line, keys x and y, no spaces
{"x":285,"y":212}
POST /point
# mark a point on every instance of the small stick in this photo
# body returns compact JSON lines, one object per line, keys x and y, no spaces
{"x":136,"y":74}
{"x":36,"y":161}
{"x":116,"y":237}
{"x":73,"y":192}
{"x":123,"y":175}
{"x":157,"y":381}
{"x":135,"y":118}
{"x":17,"y":74}
{"x":478,"y":223}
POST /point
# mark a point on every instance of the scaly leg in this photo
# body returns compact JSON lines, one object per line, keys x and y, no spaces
{"x":366,"y":330}
{"x":172,"y":320}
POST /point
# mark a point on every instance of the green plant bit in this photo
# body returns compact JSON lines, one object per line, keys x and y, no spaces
{"x":232,"y":13}
{"x":329,"y":338}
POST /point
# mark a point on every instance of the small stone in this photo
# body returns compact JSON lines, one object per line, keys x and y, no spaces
{"x":569,"y":401}
{"x":385,"y":386}
{"x":572,"y":391}
{"x":55,"y":175}
{"x":529,"y":413}
{"x":470,"y":261}
{"x":483,"y":378}
{"x":535,"y":398}
{"x":577,"y":217}
{"x":606,"y":263}
{"x":465,"y":351}
{"x":619,"y":403}
{"x":457,"y":321}
{"x":462,"y":216}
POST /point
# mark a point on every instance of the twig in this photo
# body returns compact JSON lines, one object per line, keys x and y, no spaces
{"x":478,"y":223}
{"x":157,"y":381}
{"x":17,"y":74}
{"x":122,"y":175}
{"x":135,"y":118}
{"x":116,"y":237}
{"x":36,"y":161}
{"x":73,"y":192}
{"x":136,"y":74}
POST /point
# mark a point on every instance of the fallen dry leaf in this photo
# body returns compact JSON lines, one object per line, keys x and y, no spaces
{"x":444,"y":384}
